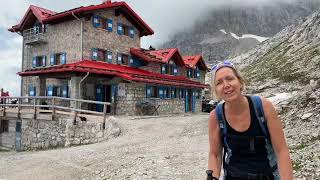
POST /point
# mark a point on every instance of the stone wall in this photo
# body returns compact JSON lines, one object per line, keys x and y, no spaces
{"x":44,"y":134}
{"x":7,"y":139}
{"x":111,"y":41}
{"x":66,"y":37}
{"x":132,"y":93}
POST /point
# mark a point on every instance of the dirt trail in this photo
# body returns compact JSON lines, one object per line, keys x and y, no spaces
{"x":154,"y":148}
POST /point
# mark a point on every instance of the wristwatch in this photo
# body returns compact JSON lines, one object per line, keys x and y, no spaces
{"x":209,"y":175}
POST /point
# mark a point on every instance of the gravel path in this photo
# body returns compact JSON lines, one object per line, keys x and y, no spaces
{"x":152,"y":148}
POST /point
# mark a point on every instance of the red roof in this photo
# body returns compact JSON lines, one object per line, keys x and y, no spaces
{"x":4,"y":94}
{"x":125,"y":72}
{"x":161,"y":55}
{"x":192,"y":61}
{"x":47,"y":16}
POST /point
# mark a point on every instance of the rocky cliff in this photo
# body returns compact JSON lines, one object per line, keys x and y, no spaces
{"x":212,"y":35}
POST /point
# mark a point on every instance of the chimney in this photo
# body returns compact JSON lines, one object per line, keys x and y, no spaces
{"x":106,"y":1}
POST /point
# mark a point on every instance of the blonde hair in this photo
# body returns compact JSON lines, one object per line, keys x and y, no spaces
{"x":213,"y":84}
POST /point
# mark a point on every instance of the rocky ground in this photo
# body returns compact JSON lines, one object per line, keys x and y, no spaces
{"x":150,"y":148}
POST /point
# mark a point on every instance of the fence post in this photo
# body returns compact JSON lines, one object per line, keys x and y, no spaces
{"x":19,"y":107}
{"x":75,"y":113}
{"x":35,"y":108}
{"x":3,"y":101}
{"x":53,"y":108}
{"x":104,"y":115}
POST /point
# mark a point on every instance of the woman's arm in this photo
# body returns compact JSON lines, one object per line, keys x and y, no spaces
{"x":278,"y":140}
{"x":215,"y":155}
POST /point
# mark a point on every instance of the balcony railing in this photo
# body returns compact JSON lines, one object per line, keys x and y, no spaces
{"x":34,"y":36}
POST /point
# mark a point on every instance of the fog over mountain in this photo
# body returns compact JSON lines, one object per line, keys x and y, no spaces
{"x":211,"y":35}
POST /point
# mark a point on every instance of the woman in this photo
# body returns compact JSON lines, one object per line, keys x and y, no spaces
{"x":242,"y":146}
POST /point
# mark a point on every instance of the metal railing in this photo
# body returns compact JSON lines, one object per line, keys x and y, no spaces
{"x":53,"y":105}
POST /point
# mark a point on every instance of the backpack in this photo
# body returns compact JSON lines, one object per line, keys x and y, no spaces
{"x":258,"y":108}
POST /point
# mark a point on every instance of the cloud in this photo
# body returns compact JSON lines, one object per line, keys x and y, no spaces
{"x":165,"y":17}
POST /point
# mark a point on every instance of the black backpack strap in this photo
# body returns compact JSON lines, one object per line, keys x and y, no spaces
{"x":223,"y":133}
{"x":258,"y":108}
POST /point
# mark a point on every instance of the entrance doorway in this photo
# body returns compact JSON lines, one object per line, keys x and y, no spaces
{"x":103,"y":94}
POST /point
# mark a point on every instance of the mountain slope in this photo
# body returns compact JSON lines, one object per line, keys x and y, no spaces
{"x":289,"y":63}
{"x":264,"y":20}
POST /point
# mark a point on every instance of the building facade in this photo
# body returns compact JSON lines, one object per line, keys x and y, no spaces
{"x":94,"y":53}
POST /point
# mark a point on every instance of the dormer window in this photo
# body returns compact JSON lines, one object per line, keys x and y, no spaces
{"x":169,"y":68}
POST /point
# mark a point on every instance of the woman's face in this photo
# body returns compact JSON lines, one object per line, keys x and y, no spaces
{"x":227,"y":84}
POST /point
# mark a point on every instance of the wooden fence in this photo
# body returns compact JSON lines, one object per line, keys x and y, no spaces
{"x":53,"y":105}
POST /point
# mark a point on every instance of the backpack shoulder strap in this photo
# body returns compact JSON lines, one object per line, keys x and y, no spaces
{"x":258,"y":108}
{"x":219,"y":113}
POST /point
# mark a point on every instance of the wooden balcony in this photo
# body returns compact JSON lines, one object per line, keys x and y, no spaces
{"x":34,"y":36}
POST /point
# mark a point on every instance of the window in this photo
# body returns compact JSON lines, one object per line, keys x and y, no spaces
{"x":122,"y":59}
{"x":60,"y":91}
{"x":126,"y":30}
{"x":39,"y":28}
{"x":39,"y":61}
{"x":119,"y":29}
{"x":109,"y":25}
{"x":170,"y":68}
{"x":103,"y":23}
{"x":152,"y":91}
{"x":32,"y":91}
{"x":58,"y":58}
{"x":101,"y":55}
{"x":174,"y":92}
{"x":109,"y":56}
{"x":4,"y":126}
{"x":97,"y":21}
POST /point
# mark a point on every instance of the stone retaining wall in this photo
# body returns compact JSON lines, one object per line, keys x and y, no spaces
{"x":44,"y":134}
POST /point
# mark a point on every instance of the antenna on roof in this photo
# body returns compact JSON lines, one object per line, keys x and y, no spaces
{"x":152,"y":48}
{"x":106,"y":1}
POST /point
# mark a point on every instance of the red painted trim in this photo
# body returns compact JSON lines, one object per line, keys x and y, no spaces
{"x":38,"y":11}
{"x":125,"y":72}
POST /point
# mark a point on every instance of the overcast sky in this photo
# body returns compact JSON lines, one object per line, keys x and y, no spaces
{"x":164,"y":16}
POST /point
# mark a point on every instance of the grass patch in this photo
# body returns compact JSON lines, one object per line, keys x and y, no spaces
{"x":296,"y":165}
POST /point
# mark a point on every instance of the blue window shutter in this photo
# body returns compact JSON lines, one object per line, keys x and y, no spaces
{"x":65,"y":91}
{"x":96,"y":21}
{"x":119,"y":58}
{"x":172,"y":92}
{"x":119,"y":28}
{"x":35,"y":91}
{"x":189,"y":73}
{"x":50,"y":90}
{"x":197,"y":73}
{"x":175,"y":70}
{"x":52,"y":59}
{"x":131,"y":32}
{"x":148,"y":91}
{"x":31,"y":91}
{"x":44,"y":61}
{"x":109,"y":25}
{"x":168,"y":92}
{"x":109,"y":56}
{"x":114,"y":92}
{"x":34,"y":62}
{"x":131,"y":62}
{"x":160,"y":92}
{"x":163,"y":68}
{"x":94,"y":54}
{"x":63,"y":58}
